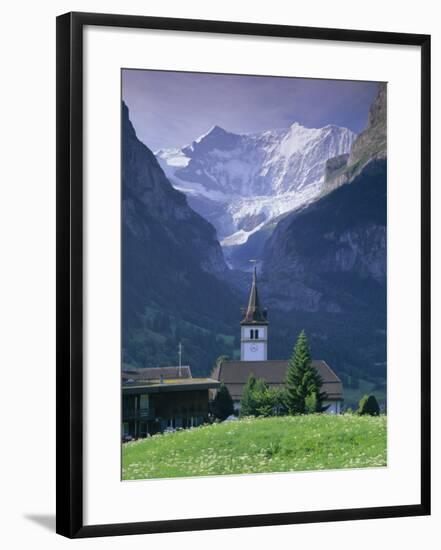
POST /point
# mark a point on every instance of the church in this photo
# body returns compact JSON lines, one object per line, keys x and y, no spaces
{"x":254,"y":359}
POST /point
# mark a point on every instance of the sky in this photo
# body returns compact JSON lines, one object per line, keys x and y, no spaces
{"x":171,"y":109}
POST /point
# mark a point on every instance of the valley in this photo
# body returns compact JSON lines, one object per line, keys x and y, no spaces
{"x":308,"y":204}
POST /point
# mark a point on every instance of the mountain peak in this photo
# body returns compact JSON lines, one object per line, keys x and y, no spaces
{"x":296,"y":125}
{"x":215,"y":138}
{"x":217,"y":128}
{"x":213,"y":131}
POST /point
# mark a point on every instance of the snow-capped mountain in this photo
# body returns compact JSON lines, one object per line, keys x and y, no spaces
{"x":240,"y":182}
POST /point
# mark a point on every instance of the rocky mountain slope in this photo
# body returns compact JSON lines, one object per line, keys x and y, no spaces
{"x":172,"y":262}
{"x":241,"y":182}
{"x":370,"y":145}
{"x":340,"y":238}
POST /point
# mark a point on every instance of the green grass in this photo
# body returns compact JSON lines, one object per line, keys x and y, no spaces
{"x":255,"y":445}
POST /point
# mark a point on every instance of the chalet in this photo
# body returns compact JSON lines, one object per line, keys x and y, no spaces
{"x":253,"y":360}
{"x":154,"y":399}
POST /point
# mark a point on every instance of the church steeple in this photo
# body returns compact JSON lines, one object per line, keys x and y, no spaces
{"x":254,"y":328}
{"x":254,"y":314}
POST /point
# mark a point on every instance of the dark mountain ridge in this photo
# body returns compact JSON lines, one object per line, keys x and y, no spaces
{"x":342,"y":235}
{"x":172,"y":264}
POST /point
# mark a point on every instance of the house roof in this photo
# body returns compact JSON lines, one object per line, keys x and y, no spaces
{"x":163,"y":379}
{"x":177,"y":385}
{"x":254,"y":314}
{"x":156,"y":373}
{"x":235,"y":374}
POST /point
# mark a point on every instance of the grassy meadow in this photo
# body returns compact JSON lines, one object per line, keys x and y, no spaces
{"x":257,"y":445}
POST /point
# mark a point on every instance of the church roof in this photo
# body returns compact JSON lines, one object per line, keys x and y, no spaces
{"x":235,"y":374}
{"x":254,"y":314}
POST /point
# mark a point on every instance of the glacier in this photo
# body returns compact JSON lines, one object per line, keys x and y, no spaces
{"x":242,"y":182}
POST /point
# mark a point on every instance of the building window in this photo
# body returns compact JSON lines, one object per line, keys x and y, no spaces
{"x":144,"y":401}
{"x":252,"y":334}
{"x":256,"y":333}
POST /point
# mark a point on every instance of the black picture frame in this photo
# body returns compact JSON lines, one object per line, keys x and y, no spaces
{"x":69,"y":267}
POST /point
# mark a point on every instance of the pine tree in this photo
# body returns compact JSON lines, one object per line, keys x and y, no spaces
{"x":223,"y":405}
{"x":303,"y":382}
{"x":311,"y":403}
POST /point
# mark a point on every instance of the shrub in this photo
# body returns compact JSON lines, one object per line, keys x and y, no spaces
{"x":259,"y":400}
{"x":223,"y":406}
{"x":368,"y":405}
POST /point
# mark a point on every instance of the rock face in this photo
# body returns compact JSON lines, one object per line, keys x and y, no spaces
{"x":148,"y":193}
{"x":341,"y":235}
{"x":241,"y":182}
{"x":370,"y":145}
{"x":172,"y":260}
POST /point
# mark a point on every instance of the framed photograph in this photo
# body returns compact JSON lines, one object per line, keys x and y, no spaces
{"x":243,"y":274}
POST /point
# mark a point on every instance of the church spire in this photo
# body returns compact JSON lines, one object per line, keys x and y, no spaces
{"x":254,"y":314}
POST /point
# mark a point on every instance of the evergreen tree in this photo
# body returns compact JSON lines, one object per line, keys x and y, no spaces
{"x":311,"y":403}
{"x":368,"y":405}
{"x":303,"y":382}
{"x":260,"y":386}
{"x":222,"y":406}
{"x":247,"y":403}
